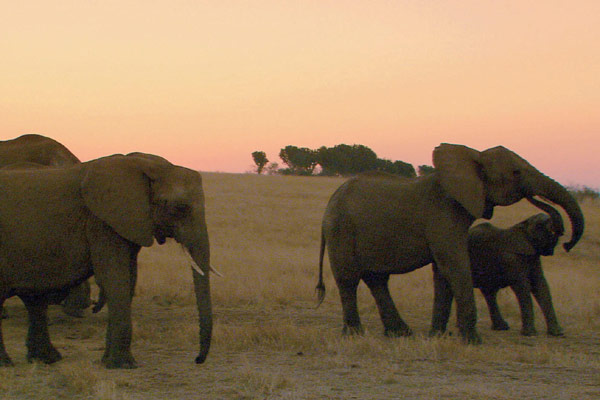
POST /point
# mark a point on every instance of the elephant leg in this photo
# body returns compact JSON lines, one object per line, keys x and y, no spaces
{"x":442,"y":303}
{"x":454,"y":266}
{"x":5,"y":360}
{"x":392,"y":322}
{"x":38,"y":338}
{"x":352,"y":323}
{"x":111,"y":261}
{"x":522,"y":291}
{"x":541,"y":291}
{"x":77,"y":300}
{"x":498,"y":323}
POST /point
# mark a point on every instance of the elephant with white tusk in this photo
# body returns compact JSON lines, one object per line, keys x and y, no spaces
{"x":512,"y":257}
{"x":59,"y":226}
{"x":378,"y":224}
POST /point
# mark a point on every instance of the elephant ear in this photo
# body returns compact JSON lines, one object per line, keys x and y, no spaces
{"x":459,"y":172}
{"x":116,"y":190}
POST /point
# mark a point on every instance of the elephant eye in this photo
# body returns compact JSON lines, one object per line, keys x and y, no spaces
{"x":179,"y":210}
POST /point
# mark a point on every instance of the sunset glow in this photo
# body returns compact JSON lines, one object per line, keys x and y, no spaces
{"x":205,"y":84}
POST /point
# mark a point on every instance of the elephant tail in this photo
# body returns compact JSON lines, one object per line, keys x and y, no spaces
{"x":320,"y":289}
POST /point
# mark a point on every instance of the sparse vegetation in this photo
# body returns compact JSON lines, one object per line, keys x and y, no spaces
{"x":339,"y":160}
{"x":261,"y":160}
{"x":271,"y":342}
{"x":584,"y":192}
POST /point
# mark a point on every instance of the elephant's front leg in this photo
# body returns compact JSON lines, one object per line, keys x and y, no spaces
{"x":452,"y":262}
{"x":112,"y":270}
{"x":38,"y":338}
{"x":541,"y":291}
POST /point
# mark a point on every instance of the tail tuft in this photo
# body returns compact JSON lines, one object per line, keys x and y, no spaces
{"x":320,"y":289}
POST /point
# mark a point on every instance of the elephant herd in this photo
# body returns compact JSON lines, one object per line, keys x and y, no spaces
{"x":62,"y":221}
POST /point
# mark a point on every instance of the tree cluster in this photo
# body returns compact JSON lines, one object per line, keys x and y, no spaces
{"x":341,"y":159}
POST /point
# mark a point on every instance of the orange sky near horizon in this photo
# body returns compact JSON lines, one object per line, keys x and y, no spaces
{"x":206,"y":83}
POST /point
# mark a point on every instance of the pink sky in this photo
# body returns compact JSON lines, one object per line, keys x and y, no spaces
{"x":206,"y":84}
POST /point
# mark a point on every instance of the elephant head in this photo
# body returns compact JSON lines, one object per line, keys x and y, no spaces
{"x":144,"y":197}
{"x":499,"y":177}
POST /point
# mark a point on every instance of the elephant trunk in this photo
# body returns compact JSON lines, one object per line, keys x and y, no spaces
{"x":201,"y":257}
{"x":557,"y":221}
{"x":554,"y":192}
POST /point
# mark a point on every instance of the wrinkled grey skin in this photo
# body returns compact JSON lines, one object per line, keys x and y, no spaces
{"x":92,"y":219}
{"x":378,"y":224}
{"x":512,"y":257}
{"x":36,"y":151}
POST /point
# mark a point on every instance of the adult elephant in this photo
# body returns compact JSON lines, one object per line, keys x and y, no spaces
{"x":379,"y":224}
{"x":37,"y":151}
{"x":59,"y":226}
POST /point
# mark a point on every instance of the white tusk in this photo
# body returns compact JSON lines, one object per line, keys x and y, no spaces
{"x":196,"y":268}
{"x":214,"y":271}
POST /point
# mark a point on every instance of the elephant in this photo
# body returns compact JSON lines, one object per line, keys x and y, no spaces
{"x":512,"y":257}
{"x":376,"y":224}
{"x":37,"y":151}
{"x":59,"y":226}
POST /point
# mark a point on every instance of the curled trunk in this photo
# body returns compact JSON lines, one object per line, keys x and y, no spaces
{"x":557,"y":221}
{"x":551,"y":190}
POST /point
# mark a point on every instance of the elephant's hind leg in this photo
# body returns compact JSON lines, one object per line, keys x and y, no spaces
{"x":352,"y":323}
{"x":393,"y":324}
{"x":38,"y":338}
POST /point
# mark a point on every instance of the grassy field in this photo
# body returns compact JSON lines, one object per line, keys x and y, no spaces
{"x":271,"y":343}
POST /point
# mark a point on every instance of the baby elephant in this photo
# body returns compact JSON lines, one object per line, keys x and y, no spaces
{"x":511,"y":257}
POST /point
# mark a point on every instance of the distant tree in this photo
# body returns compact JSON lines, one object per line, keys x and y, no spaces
{"x":344,"y":159}
{"x":396,"y":167}
{"x":301,"y":161}
{"x":260,"y":159}
{"x":425,"y":170}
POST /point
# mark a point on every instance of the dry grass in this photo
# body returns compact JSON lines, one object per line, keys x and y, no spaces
{"x":270,"y":341}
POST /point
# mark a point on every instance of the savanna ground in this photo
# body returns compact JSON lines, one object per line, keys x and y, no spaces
{"x":271,"y":342}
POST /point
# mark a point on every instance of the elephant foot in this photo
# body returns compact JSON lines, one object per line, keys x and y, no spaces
{"x":556,"y":331}
{"x":47,"y":355}
{"x":528,"y":332}
{"x":434,"y":332}
{"x":352,"y":330}
{"x":400,"y":332}
{"x":119,"y":362}
{"x":500,"y":326}
{"x":75,"y":312}
{"x":5,"y":360}
{"x":471,"y":337}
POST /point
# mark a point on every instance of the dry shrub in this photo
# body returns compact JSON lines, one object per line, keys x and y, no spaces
{"x":253,"y":384}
